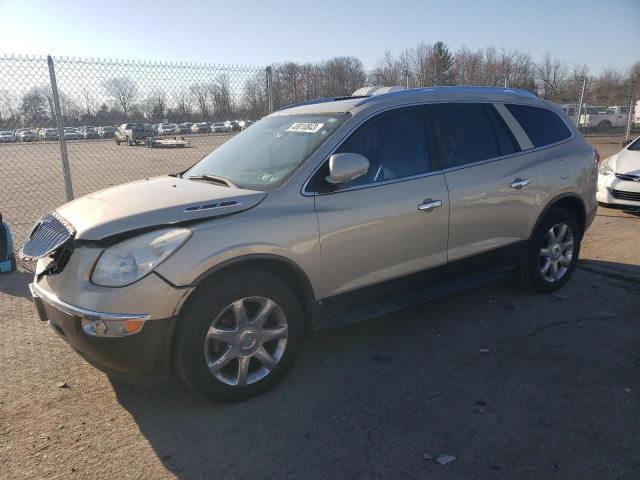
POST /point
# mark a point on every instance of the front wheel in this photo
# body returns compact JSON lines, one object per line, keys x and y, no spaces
{"x":238,"y":336}
{"x":552,"y":253}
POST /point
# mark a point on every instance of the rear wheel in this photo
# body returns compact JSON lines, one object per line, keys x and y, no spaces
{"x":238,"y":336}
{"x":553,"y":252}
{"x":117,"y":141}
{"x":603,"y":126}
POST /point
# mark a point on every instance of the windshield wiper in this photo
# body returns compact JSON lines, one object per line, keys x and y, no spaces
{"x":214,"y":178}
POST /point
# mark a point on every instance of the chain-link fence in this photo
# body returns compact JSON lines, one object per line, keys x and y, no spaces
{"x":58,"y":122}
{"x":58,"y":117}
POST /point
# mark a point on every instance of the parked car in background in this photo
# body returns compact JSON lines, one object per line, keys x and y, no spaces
{"x":7,"y":136}
{"x":320,"y":214}
{"x":619,"y":178}
{"x":202,"y":127}
{"x":149,"y":131}
{"x":130,"y":133}
{"x":106,"y":131}
{"x":48,"y":134}
{"x":26,"y":135}
{"x":247,"y":124}
{"x":70,"y":133}
{"x":219,"y":127}
{"x":167,"y":129}
{"x":184,"y":128}
{"x":636,"y":114}
{"x":235,"y":126}
{"x":88,"y":132}
{"x":613,"y":117}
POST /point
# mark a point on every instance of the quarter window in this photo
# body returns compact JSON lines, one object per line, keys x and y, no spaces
{"x":466,"y":134}
{"x":542,"y":126}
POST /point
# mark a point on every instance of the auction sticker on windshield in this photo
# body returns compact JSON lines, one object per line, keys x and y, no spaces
{"x":305,"y":127}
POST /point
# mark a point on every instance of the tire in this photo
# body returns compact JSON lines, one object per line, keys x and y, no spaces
{"x":603,"y":126}
{"x":531,"y":273}
{"x":117,"y":141}
{"x":215,"y":302}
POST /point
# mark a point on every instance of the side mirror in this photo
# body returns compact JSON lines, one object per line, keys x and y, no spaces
{"x":344,"y":167}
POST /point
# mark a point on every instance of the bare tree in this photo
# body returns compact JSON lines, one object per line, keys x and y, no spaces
{"x":550,"y":75}
{"x":220,"y":91}
{"x":123,"y":90}
{"x":200,"y":94}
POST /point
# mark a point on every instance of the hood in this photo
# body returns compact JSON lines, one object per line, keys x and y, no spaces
{"x":627,"y":162}
{"x":151,"y":202}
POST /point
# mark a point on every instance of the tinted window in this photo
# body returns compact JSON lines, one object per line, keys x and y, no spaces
{"x":541,"y":125}
{"x":506,"y":142}
{"x":465,"y":133}
{"x":394,"y":143}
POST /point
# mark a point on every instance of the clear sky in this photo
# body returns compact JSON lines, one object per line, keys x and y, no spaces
{"x":599,"y":33}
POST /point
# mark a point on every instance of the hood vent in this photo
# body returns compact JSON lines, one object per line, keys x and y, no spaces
{"x":211,"y":206}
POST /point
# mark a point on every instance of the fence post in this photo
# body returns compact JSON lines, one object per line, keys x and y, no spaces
{"x":269,"y":89}
{"x":66,"y":171}
{"x":579,"y":112}
{"x":406,"y":78}
{"x":631,"y":102}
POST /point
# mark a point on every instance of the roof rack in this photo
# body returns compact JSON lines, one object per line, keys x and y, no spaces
{"x":461,"y":89}
{"x":321,"y":100}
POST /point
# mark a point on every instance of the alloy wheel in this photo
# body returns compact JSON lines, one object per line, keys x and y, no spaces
{"x":556,"y":252}
{"x":246,"y":341}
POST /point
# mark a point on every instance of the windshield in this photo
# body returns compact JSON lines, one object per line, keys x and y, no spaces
{"x":262,"y":157}
{"x":635,"y":146}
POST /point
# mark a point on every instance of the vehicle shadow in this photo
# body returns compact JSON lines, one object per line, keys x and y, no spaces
{"x":16,"y":284}
{"x":468,"y":374}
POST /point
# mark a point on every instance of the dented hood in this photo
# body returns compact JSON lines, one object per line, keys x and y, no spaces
{"x":151,"y":202}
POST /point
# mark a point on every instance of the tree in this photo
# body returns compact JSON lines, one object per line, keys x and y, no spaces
{"x":200,"y":94}
{"x":550,"y":75}
{"x":33,"y":108}
{"x":441,"y":61}
{"x":220,"y":91}
{"x":123,"y":91}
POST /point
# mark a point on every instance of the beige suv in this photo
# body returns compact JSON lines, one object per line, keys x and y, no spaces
{"x":323,"y":213}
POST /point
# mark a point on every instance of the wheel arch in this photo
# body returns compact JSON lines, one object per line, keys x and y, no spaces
{"x":567,"y":201}
{"x":280,"y":267}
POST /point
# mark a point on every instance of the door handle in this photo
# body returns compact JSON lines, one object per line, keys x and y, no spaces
{"x":518,"y":183}
{"x":429,"y":205}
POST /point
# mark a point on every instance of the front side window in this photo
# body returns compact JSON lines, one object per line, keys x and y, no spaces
{"x":262,"y":157}
{"x":466,"y":134}
{"x":542,"y":126}
{"x":395,"y":144}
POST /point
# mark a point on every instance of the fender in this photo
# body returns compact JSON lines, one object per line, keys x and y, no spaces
{"x":554,"y":201}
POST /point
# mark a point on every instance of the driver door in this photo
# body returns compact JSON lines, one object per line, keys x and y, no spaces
{"x":382,"y":232}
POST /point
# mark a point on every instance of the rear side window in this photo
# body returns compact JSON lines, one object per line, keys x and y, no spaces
{"x":466,"y":134}
{"x":543,"y":126}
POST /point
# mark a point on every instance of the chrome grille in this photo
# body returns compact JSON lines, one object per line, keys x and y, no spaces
{"x":629,"y":178}
{"x":629,"y":196}
{"x":49,"y":234}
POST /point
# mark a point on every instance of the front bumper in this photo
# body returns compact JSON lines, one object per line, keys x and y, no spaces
{"x":608,"y":185}
{"x":145,"y":353}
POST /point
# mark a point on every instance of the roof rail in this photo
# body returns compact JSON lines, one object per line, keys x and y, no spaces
{"x":320,"y":100}
{"x":461,"y":89}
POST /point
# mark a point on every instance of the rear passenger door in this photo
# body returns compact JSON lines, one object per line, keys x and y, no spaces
{"x":492,"y":185}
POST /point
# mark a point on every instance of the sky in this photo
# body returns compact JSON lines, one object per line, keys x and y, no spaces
{"x":601,"y":34}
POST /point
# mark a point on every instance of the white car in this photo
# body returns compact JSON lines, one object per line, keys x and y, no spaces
{"x":619,"y":177}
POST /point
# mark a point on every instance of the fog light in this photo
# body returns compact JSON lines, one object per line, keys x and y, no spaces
{"x":111,"y":328}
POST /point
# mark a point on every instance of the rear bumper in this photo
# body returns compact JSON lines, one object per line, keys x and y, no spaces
{"x":146,"y":353}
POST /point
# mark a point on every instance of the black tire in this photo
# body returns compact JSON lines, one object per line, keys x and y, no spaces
{"x":603,"y":126}
{"x":117,"y":141}
{"x":529,"y":273}
{"x":205,"y":305}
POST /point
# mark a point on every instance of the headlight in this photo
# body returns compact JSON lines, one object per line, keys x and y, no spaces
{"x":605,"y":168}
{"x":129,"y":261}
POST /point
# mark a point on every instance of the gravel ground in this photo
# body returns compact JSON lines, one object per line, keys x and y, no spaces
{"x":514,"y":385}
